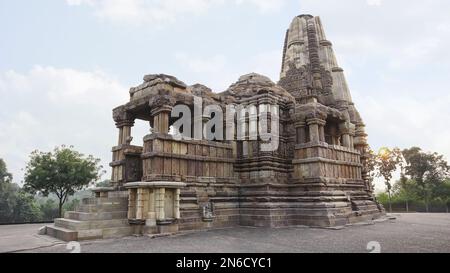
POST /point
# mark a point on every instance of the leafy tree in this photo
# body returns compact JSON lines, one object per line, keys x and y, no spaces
{"x":8,"y":192}
{"x":387,"y":162}
{"x":16,"y":206}
{"x":406,"y":189}
{"x":443,"y":192}
{"x":104,"y":184}
{"x":429,"y":170}
{"x":26,"y":209}
{"x":371,"y":164}
{"x":5,"y":176}
{"x":62,"y":172}
{"x":72,"y":205}
{"x":49,"y":210}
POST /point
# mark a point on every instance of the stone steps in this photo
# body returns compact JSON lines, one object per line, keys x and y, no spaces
{"x":62,"y":233}
{"x":93,"y":216}
{"x":68,"y":235}
{"x":104,"y":201}
{"x":87,"y":225}
{"x":92,"y":208}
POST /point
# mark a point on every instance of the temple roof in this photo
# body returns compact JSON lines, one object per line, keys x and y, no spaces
{"x":307,"y":49}
{"x":253,"y":84}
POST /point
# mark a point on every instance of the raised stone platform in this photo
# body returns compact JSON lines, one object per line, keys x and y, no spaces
{"x":96,"y":218}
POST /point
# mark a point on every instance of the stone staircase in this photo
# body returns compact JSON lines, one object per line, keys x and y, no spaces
{"x":363,"y":208}
{"x":96,"y":218}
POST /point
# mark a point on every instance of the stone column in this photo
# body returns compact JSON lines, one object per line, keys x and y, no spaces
{"x":352,"y":135}
{"x":176,"y":205}
{"x":253,"y":126}
{"x":347,"y":131}
{"x":301,"y":132}
{"x":345,"y":134}
{"x":151,"y":204}
{"x":316,"y":133}
{"x":205,"y":120}
{"x":124,"y":127}
{"x":140,"y":204}
{"x":131,"y":203}
{"x":230,"y":134}
{"x":124,"y":122}
{"x":120,"y":136}
{"x":159,"y":203}
{"x":161,"y":116}
{"x":322,"y":131}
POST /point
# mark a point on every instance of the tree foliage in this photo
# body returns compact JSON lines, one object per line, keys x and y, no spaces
{"x":387,"y":162}
{"x":62,"y":172}
{"x":428,"y":170}
{"x":16,"y":206}
{"x":104,"y":184}
{"x":5,"y":176}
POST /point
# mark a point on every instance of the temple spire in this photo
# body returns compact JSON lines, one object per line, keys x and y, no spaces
{"x":309,"y":61}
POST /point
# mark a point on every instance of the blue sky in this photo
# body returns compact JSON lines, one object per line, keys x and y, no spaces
{"x":65,"y":64}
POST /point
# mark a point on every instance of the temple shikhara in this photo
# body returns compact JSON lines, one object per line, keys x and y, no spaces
{"x":316,"y":177}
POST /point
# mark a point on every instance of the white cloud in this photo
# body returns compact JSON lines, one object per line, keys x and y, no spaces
{"x":213,"y":71}
{"x":215,"y":64}
{"x":145,"y":11}
{"x":218,"y":73}
{"x":46,"y":107}
{"x":160,"y":12}
{"x":268,"y":63}
{"x":374,"y":2}
{"x":264,"y":6}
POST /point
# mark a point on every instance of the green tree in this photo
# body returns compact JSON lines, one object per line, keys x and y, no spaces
{"x":72,"y":205}
{"x":371,"y":165}
{"x":443,"y":192}
{"x":49,"y":210}
{"x":104,"y":184}
{"x":5,"y":176}
{"x":429,"y":170}
{"x":16,"y":206}
{"x":62,"y":172}
{"x":26,"y":210}
{"x":7,"y":194}
{"x":406,"y":189}
{"x":387,"y":162}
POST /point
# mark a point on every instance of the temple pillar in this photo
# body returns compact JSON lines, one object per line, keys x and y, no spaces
{"x":176,"y":207}
{"x":352,"y":133}
{"x":132,"y":203}
{"x":316,"y":130}
{"x":300,"y":127}
{"x":205,"y":120}
{"x":120,"y":141}
{"x":347,"y":130}
{"x":161,"y":117}
{"x":322,"y":131}
{"x":139,"y":205}
{"x":159,"y":203}
{"x":124,"y":127}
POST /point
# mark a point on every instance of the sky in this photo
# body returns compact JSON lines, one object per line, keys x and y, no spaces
{"x":65,"y":64}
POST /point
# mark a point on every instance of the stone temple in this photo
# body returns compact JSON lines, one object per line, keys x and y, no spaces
{"x":317,"y":177}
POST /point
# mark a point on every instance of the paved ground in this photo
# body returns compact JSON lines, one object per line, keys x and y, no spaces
{"x":19,"y":237}
{"x":408,"y":233}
